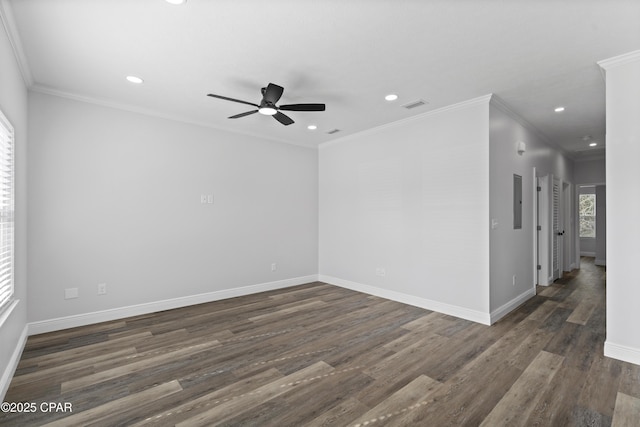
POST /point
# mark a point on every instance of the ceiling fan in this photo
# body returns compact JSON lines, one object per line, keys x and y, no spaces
{"x":270,"y":95}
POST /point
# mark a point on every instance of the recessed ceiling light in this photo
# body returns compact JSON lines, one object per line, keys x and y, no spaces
{"x":593,"y":144}
{"x":312,"y":127}
{"x":134,"y":79}
{"x":176,"y":1}
{"x":391,"y":97}
{"x":559,"y":109}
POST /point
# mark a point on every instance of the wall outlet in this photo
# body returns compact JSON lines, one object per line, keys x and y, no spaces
{"x":102,"y":288}
{"x":380,"y":271}
{"x":274,"y":267}
{"x":71,"y":293}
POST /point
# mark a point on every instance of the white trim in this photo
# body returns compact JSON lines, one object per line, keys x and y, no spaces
{"x":535,"y":230}
{"x":622,"y":352}
{"x":441,"y":307}
{"x":60,"y":323}
{"x":589,"y":254}
{"x":460,"y":105}
{"x":7,"y":375}
{"x":499,"y":103}
{"x":507,"y":308}
{"x":602,"y":262}
{"x":9,"y":24}
{"x":38,"y":88}
{"x":623,"y":59}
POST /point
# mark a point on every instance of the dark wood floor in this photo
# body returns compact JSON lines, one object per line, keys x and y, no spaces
{"x":319,"y":355}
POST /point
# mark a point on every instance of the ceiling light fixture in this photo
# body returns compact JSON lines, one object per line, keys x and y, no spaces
{"x":134,"y":79}
{"x":391,"y":97}
{"x":593,"y":144}
{"x":176,"y":1}
{"x":312,"y":127}
{"x":559,"y":109}
{"x":267,"y":111}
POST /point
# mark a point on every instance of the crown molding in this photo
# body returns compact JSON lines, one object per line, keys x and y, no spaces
{"x":499,"y":103}
{"x":9,"y":24}
{"x":453,"y":107}
{"x":37,"y":88}
{"x":616,"y":61}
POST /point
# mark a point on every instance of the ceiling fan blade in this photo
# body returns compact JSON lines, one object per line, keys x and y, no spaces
{"x":232,"y":99}
{"x":248,"y":113}
{"x":282,"y":118}
{"x":303,"y":107}
{"x":273,"y":93}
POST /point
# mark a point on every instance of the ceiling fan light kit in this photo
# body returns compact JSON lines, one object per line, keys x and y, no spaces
{"x":267,"y":111}
{"x":270,"y":96}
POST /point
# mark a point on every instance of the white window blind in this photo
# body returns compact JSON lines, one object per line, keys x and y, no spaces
{"x":7,"y":181}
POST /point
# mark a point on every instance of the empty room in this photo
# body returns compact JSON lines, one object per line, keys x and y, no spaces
{"x":436,"y":226}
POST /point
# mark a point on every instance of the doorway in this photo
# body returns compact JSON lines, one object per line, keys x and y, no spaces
{"x":555,"y":247}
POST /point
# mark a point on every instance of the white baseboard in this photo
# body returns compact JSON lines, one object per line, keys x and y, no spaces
{"x":589,"y":254}
{"x":74,"y":321}
{"x":508,"y":307}
{"x":7,"y":375}
{"x":621,"y":352}
{"x":602,"y":262}
{"x":452,"y":310}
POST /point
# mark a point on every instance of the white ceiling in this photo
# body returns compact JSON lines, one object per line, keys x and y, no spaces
{"x":535,"y":55}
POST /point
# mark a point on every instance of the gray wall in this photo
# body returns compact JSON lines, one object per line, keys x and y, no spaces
{"x":411,"y":198}
{"x":13,"y":103}
{"x":590,"y":172}
{"x":115,"y":198}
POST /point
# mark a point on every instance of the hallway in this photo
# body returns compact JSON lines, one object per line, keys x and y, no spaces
{"x":588,"y":384}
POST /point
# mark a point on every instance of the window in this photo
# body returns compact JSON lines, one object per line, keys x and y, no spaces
{"x":7,"y":182}
{"x":587,"y":208}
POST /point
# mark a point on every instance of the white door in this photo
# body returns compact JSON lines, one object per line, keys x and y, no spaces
{"x":545,"y":231}
{"x":558,"y":230}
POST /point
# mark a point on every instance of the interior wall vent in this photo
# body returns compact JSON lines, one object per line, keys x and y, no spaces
{"x":331,"y":132}
{"x":415,"y":104}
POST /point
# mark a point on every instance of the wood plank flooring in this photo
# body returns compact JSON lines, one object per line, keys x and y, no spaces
{"x":318,"y":355}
